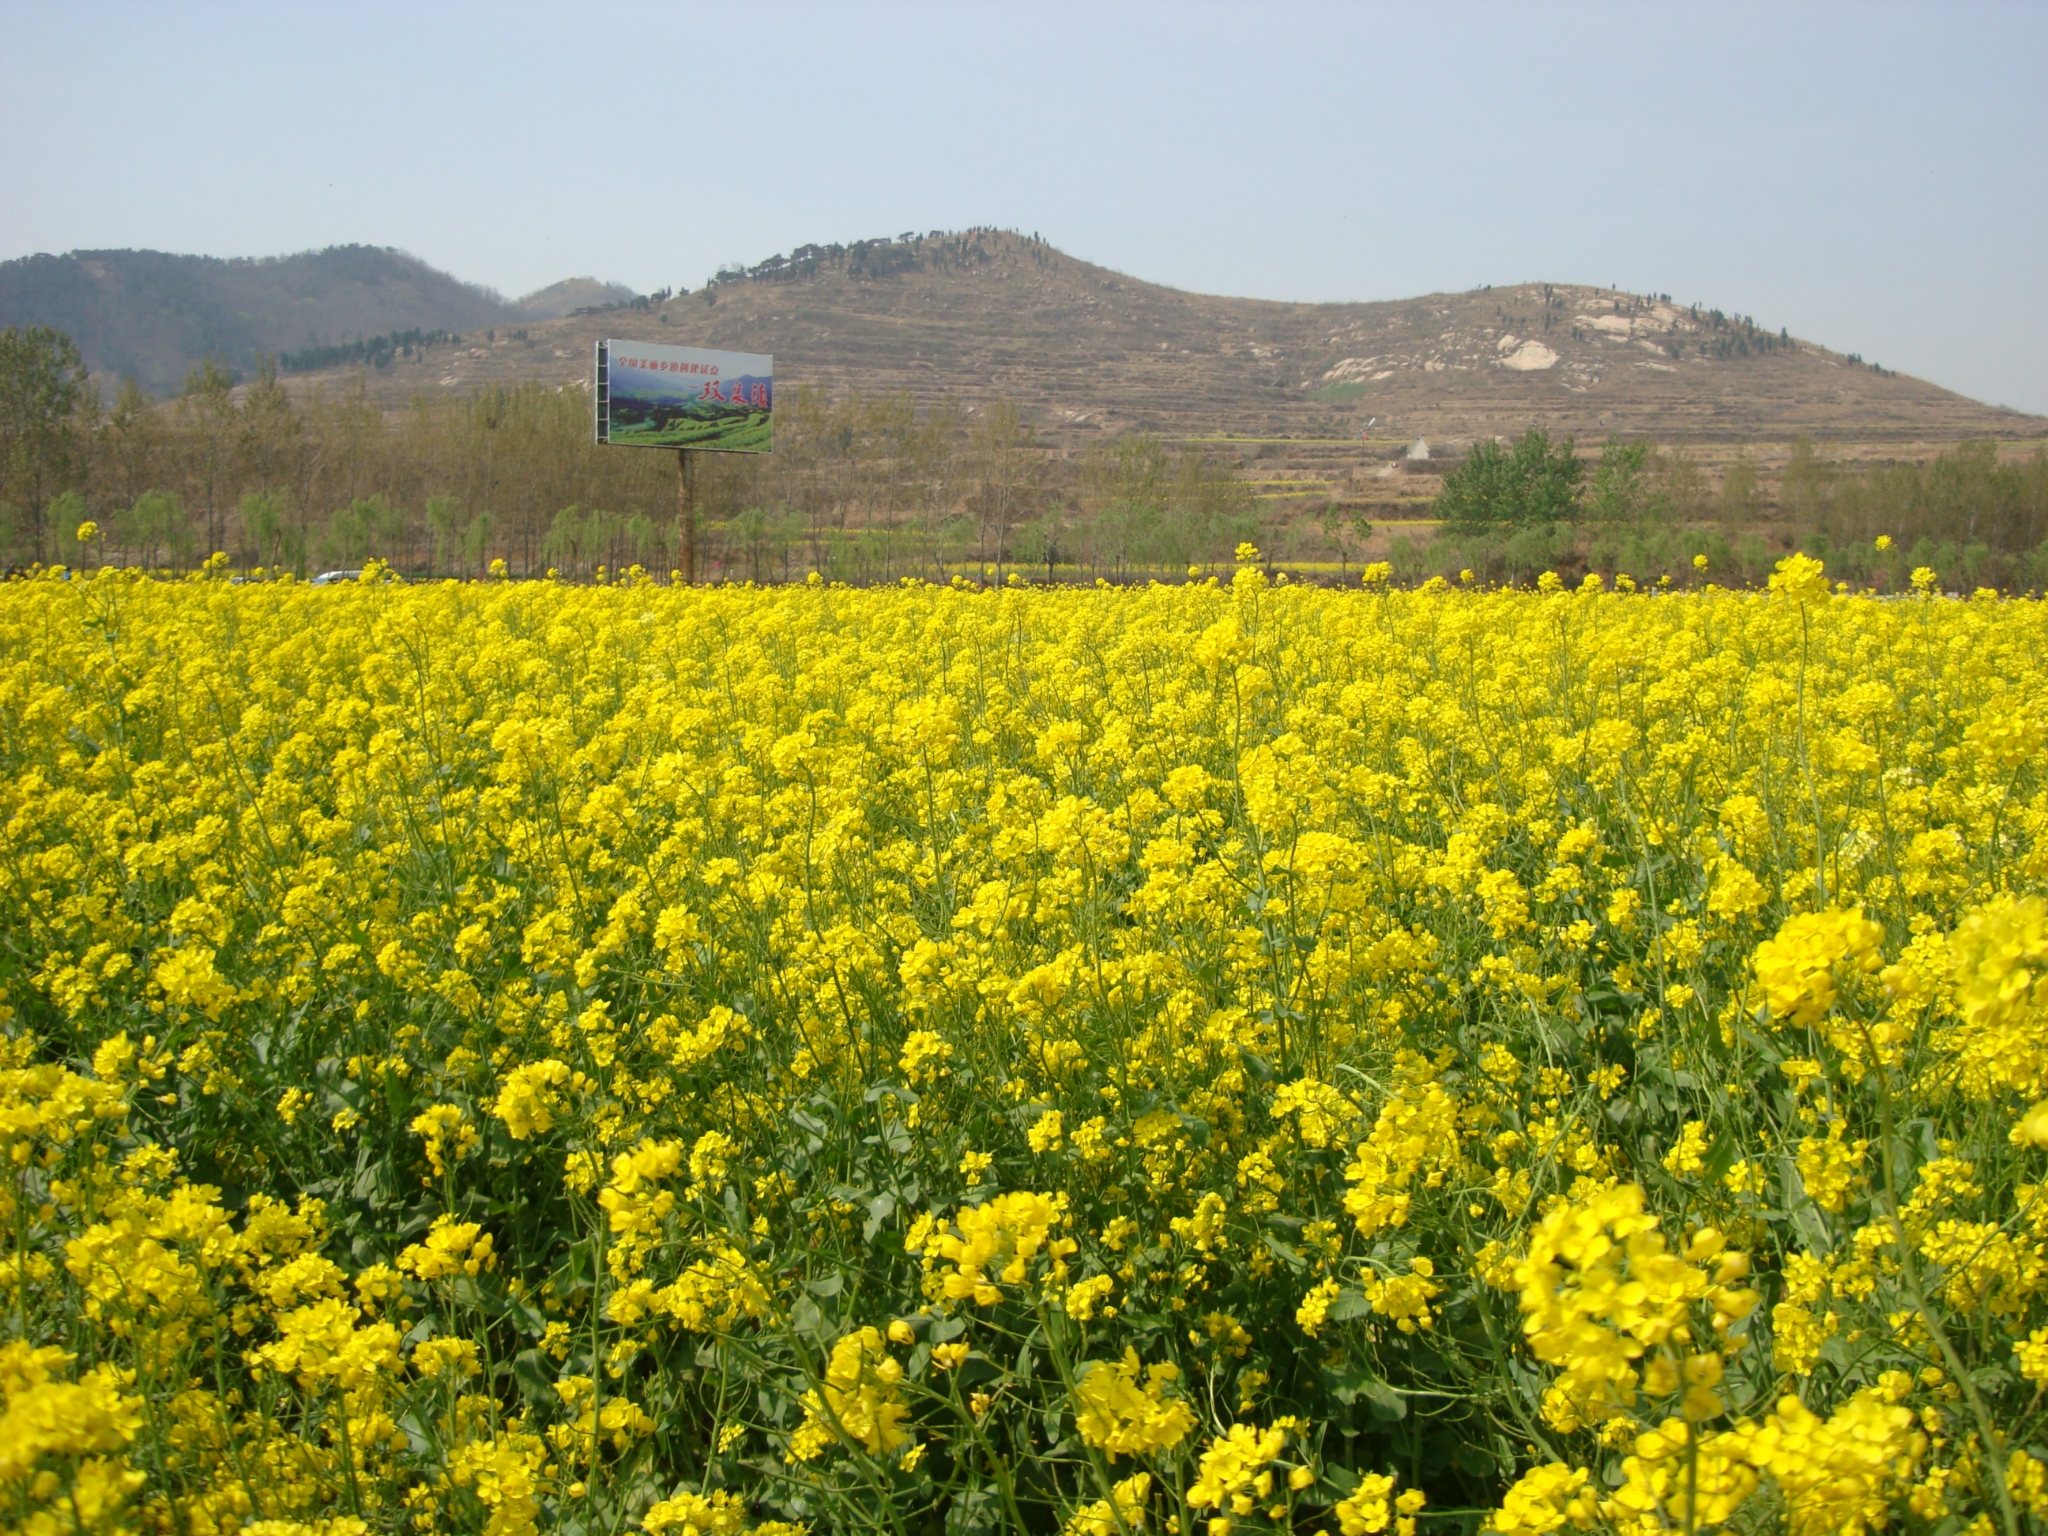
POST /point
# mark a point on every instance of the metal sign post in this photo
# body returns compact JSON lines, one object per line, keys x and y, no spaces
{"x":686,"y":512}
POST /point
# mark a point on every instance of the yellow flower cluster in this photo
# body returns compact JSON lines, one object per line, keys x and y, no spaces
{"x":1547,"y":1498}
{"x":1842,"y":1476}
{"x":1235,"y":1470}
{"x":2001,"y":996}
{"x":1123,"y":1416}
{"x":1599,"y":1292}
{"x":1802,"y":967}
{"x":860,"y":1400}
{"x":510,"y":1057}
{"x":1008,"y":1232}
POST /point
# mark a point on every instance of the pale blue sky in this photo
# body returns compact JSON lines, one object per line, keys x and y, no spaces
{"x":1872,"y":176}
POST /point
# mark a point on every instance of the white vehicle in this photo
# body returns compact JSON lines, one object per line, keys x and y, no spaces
{"x":333,"y":578}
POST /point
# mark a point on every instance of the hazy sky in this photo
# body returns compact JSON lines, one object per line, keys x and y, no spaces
{"x":1874,"y":177}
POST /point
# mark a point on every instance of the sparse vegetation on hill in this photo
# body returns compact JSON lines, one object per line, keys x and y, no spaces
{"x":1086,"y":352}
{"x":573,"y":295}
{"x":984,"y":313}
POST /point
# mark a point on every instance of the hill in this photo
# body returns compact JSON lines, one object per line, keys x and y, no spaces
{"x":1085,"y":350}
{"x":153,"y":316}
{"x":1300,"y":422}
{"x":572,"y":294}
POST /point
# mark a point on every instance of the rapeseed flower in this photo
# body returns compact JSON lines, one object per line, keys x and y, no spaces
{"x":1233,"y":998}
{"x":1124,"y":1416}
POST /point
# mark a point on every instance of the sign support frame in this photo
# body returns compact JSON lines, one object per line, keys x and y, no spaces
{"x":686,"y":512}
{"x":749,"y":375}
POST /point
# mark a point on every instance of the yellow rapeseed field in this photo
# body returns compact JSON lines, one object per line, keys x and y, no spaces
{"x":1210,"y":1058}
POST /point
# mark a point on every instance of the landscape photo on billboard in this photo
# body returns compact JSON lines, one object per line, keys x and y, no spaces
{"x":690,"y":397}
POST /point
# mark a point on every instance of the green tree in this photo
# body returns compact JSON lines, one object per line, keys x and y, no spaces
{"x":1805,"y":486}
{"x":263,"y":526}
{"x":601,"y":530}
{"x":157,"y":526}
{"x":133,"y":443}
{"x":1528,"y":484}
{"x":887,"y":430}
{"x":382,"y":526}
{"x":934,"y":467}
{"x":1125,"y":489}
{"x":341,"y":544}
{"x":1042,"y":541}
{"x":1741,"y":499}
{"x":272,"y":438}
{"x":43,"y":388}
{"x":1620,"y":492}
{"x":1345,"y":527}
{"x":1679,"y":494}
{"x":445,"y":529}
{"x":67,"y":511}
{"x":1213,"y":508}
{"x":476,"y":540}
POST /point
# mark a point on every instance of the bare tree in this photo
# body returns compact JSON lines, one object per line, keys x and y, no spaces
{"x":272,"y":442}
{"x":935,"y":472}
{"x":885,"y":449}
{"x":1003,"y":454}
{"x":133,"y":443}
{"x":207,"y":413}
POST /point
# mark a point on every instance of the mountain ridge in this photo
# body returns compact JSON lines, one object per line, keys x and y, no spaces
{"x":976,"y":314}
{"x":1083,"y":350}
{"x":154,"y":316}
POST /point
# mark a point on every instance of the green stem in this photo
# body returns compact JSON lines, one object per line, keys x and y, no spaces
{"x":1987,"y":1431}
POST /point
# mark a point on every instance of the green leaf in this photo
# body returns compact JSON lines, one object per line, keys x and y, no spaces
{"x":880,"y":1209}
{"x":1350,"y":1304}
{"x":1283,"y":1253}
{"x":808,"y":1319}
{"x":535,"y":1373}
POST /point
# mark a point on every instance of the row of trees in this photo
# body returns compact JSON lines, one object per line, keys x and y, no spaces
{"x":307,"y":479}
{"x":1533,"y":482}
{"x":865,"y":486}
{"x":1656,"y":552}
{"x":1966,"y":495}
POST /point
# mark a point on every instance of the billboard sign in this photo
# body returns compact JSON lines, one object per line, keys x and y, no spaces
{"x":651,"y":396}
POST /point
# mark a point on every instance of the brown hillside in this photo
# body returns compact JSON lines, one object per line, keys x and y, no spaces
{"x":1086,"y":350}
